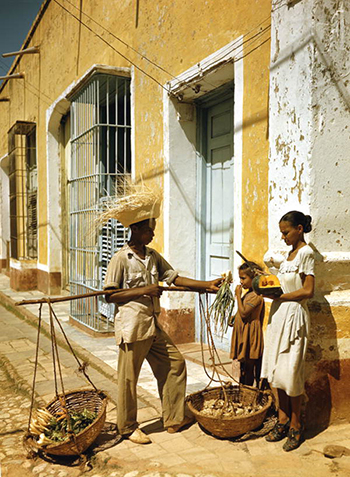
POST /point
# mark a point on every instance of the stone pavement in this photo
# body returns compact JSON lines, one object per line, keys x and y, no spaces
{"x":103,"y":350}
{"x":189,"y":453}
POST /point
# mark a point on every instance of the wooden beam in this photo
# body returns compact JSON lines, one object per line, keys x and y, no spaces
{"x":27,"y":51}
{"x":14,"y":76}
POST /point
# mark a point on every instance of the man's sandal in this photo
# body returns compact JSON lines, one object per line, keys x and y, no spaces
{"x":278,"y":433}
{"x":138,"y":437}
{"x":178,"y":427}
{"x":295,"y":438}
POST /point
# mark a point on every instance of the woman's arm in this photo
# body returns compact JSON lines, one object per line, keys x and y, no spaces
{"x":307,"y":291}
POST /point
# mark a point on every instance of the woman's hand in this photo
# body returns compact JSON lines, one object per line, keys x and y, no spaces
{"x":304,"y":293}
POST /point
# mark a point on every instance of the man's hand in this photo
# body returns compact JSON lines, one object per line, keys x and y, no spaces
{"x":214,"y":285}
{"x":153,"y":290}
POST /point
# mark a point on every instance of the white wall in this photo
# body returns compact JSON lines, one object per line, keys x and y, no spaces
{"x":290,"y":170}
{"x":180,"y":189}
{"x":330,"y":201}
{"x":309,"y":128}
{"x":4,"y":209}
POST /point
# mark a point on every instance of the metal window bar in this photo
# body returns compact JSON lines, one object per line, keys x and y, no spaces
{"x":32,"y":191}
{"x":101,"y":159}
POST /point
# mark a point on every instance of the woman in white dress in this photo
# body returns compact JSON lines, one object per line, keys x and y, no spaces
{"x":288,"y":328}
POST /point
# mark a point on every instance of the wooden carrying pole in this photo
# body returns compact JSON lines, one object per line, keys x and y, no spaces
{"x":92,"y":294}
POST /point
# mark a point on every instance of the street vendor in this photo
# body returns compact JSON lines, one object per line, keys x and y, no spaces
{"x":137,"y":270}
{"x":287,"y":331}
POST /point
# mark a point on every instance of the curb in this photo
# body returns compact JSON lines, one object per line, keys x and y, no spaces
{"x":96,"y":363}
{"x":81,"y":353}
{"x":19,"y":383}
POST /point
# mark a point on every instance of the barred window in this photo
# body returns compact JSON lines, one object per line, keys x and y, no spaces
{"x":100,"y":161}
{"x":23,"y":190}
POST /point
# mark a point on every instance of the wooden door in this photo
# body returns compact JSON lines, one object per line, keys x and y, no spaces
{"x":218,"y":187}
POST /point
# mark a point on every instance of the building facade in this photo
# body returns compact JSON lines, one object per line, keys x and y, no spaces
{"x":236,"y":110}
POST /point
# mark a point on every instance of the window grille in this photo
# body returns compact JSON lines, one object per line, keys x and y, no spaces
{"x":23,"y":190}
{"x":100,"y":161}
{"x":32,"y":189}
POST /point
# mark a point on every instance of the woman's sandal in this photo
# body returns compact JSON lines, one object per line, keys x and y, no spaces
{"x":295,"y":438}
{"x":278,"y":433}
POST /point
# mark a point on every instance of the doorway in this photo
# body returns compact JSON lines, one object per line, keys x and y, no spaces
{"x":216,"y":188}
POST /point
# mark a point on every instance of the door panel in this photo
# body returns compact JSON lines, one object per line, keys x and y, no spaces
{"x":219,"y":194}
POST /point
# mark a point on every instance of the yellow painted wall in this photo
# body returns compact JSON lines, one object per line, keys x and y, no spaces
{"x":175,"y":35}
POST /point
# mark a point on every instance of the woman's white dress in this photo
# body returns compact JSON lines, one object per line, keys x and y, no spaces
{"x":288,"y":328}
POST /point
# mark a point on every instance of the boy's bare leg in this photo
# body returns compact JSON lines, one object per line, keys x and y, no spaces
{"x":257,"y":371}
{"x":247,"y":372}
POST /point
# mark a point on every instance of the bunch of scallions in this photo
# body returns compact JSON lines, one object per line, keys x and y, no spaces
{"x":222,"y":308}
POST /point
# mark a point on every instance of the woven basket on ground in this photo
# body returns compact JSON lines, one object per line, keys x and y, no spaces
{"x":236,"y":425}
{"x":78,"y":401}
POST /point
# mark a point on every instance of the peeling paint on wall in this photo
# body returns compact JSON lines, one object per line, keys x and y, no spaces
{"x":309,"y":170}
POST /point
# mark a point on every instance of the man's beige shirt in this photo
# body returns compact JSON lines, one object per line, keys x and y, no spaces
{"x":136,"y":320}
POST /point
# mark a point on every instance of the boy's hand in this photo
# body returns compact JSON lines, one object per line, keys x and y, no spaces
{"x":153,"y":290}
{"x":238,"y":290}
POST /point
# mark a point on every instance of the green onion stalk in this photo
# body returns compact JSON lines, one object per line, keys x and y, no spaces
{"x":222,"y":308}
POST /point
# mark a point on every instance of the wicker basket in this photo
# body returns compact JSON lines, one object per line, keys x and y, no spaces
{"x":237,"y":425}
{"x":78,"y":401}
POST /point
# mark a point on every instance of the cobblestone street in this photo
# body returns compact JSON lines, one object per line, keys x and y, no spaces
{"x":191,"y":453}
{"x":14,"y":462}
{"x":15,"y":404}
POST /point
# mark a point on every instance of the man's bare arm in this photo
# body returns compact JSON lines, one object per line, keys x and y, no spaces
{"x":124,"y":296}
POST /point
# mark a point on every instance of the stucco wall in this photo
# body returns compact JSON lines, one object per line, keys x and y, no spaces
{"x":290,"y":115}
{"x":308,"y":170}
{"x":309,"y":115}
{"x":166,"y":34}
{"x":331,"y":135}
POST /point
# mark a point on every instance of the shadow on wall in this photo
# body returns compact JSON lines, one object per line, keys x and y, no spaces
{"x":323,"y":366}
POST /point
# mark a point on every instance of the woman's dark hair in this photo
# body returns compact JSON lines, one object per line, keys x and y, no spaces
{"x":296,"y":218}
{"x":246,"y":267}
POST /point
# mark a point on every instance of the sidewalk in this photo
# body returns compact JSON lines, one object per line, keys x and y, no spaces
{"x":102,"y":352}
{"x":191,"y":452}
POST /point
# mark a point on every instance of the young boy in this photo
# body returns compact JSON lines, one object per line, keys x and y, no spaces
{"x":137,"y":269}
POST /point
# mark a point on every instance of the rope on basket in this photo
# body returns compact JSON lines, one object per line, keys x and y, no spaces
{"x":56,"y":365}
{"x":213,"y":353}
{"x":55,"y":357}
{"x":214,"y":357}
{"x":35,"y":366}
{"x":82,"y":366}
